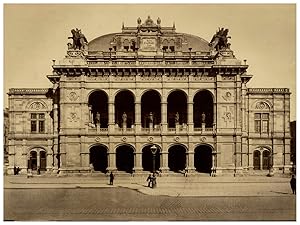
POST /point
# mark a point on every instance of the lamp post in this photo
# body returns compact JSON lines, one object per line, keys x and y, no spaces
{"x":153,"y":150}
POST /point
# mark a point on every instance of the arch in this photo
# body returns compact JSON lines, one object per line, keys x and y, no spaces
{"x":36,"y":104}
{"x":177,"y":89}
{"x":125,"y":103}
{"x":43,"y":160}
{"x":98,"y":106}
{"x":209,"y":91}
{"x":151,"y":108}
{"x":147,"y":158}
{"x":177,"y":108}
{"x":203,"y":109}
{"x":94,"y":90}
{"x":262,"y":104}
{"x":33,"y":161}
{"x":177,"y":158}
{"x":125,"y":158}
{"x":266,"y":163}
{"x":256,"y":160}
{"x":152,"y":89}
{"x":203,"y":158}
{"x":121,"y":90}
{"x":99,"y":157}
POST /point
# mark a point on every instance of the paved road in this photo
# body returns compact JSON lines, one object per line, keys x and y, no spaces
{"x":119,"y":203}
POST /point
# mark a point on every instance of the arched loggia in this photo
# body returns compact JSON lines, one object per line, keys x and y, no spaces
{"x":99,"y":158}
{"x":203,"y":109}
{"x":177,"y":158}
{"x":203,"y":159}
{"x":147,"y":158}
{"x":125,"y":158}
{"x":177,"y":108}
{"x":124,"y":105}
{"x":150,"y":108}
{"x":98,"y":106}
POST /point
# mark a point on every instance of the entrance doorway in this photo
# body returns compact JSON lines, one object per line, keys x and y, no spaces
{"x":125,"y":158}
{"x":99,"y":158}
{"x":203,"y":159}
{"x":177,"y":158}
{"x":147,"y":159}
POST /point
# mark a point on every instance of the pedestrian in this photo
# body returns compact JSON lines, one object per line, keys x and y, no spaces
{"x":153,"y":181}
{"x":15,"y":170}
{"x":18,"y":170}
{"x":38,"y":171}
{"x":111,"y":178}
{"x":149,"y":179}
{"x":293,"y":184}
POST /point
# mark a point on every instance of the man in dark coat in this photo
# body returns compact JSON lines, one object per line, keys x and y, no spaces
{"x":111,"y":178}
{"x":293,"y":184}
{"x":149,"y":179}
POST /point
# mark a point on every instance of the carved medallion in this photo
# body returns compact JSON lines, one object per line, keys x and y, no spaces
{"x":261,"y":105}
{"x":227,"y":96}
{"x":203,"y":139}
{"x":176,"y":138}
{"x":124,"y":139}
{"x":97,"y":139}
{"x":73,"y":96}
{"x":150,"y":139}
{"x":37,"y":106}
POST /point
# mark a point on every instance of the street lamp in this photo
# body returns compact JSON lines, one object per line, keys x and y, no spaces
{"x":153,"y":150}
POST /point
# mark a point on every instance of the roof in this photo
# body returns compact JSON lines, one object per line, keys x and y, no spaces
{"x":103,"y":43}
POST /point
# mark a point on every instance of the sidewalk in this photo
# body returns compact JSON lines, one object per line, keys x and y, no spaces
{"x":169,"y":186}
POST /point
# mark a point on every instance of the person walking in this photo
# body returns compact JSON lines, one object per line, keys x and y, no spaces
{"x":293,"y":184}
{"x":149,"y":179}
{"x":111,"y":178}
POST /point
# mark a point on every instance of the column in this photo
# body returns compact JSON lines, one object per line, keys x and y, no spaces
{"x":90,"y":115}
{"x":137,"y":116}
{"x":55,"y":140}
{"x":111,"y":117}
{"x":190,"y":118}
{"x":164,"y":115}
{"x":111,"y":157}
{"x":164,"y":158}
{"x":138,"y":159}
{"x":49,"y":161}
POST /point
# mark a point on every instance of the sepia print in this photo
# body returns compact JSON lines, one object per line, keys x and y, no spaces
{"x":149,"y":112}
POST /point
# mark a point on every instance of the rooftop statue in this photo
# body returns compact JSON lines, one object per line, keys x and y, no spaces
{"x":220,"y":40}
{"x":79,"y":40}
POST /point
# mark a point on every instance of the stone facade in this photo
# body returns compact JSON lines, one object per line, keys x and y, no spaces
{"x":149,"y":87}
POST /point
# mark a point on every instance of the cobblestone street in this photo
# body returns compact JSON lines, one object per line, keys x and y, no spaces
{"x":121,"y":203}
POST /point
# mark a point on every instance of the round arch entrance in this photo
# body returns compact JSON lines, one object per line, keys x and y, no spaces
{"x":147,"y":158}
{"x":203,"y":159}
{"x":125,"y":158}
{"x":177,"y":158}
{"x":99,"y":158}
{"x":37,"y":159}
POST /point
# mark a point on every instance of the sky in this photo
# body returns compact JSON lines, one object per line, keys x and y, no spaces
{"x":263,"y":34}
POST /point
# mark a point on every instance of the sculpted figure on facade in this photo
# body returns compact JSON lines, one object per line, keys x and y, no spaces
{"x":220,"y":40}
{"x":203,"y":117}
{"x":79,"y":40}
{"x":124,"y":118}
{"x":151,"y":117}
{"x":177,"y":117}
{"x":97,"y":119}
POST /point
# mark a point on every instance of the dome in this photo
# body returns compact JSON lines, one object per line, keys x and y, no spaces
{"x":103,"y":43}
